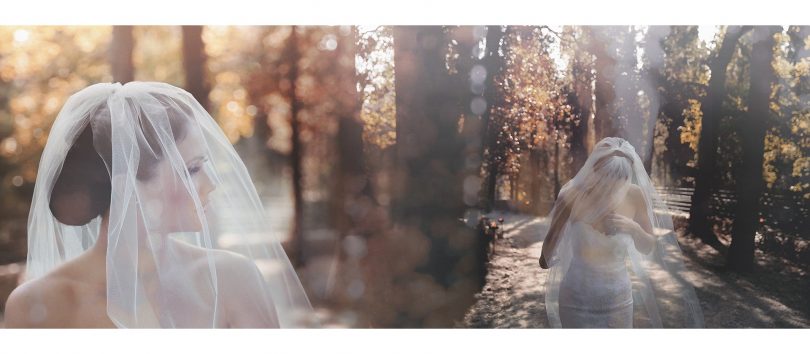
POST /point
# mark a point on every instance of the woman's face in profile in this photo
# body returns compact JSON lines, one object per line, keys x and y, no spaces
{"x":176,"y":202}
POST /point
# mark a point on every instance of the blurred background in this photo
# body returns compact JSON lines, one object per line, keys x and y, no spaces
{"x":377,"y":149}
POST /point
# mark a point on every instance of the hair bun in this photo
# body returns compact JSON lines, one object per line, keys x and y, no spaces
{"x":82,"y":190}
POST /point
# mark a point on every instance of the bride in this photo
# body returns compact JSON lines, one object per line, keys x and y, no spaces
{"x":144,"y":216}
{"x":602,"y":218}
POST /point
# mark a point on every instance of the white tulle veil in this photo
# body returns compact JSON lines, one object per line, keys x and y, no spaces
{"x":188,"y":239}
{"x":662,"y":296}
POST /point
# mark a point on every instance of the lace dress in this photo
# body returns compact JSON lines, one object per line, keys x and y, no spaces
{"x":596,"y":292}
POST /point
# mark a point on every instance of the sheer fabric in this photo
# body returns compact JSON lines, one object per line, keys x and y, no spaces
{"x":188,"y":242}
{"x":597,"y":280}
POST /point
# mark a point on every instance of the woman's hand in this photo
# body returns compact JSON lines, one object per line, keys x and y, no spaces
{"x":643,"y":240}
{"x":617,"y":223}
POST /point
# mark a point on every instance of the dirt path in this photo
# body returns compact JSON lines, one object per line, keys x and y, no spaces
{"x":777,"y":294}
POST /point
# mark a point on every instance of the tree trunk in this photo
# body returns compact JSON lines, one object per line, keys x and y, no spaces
{"x":654,"y":77}
{"x":351,"y":194}
{"x":429,"y":164}
{"x":752,"y":133}
{"x":121,"y":47}
{"x":580,"y":98}
{"x":194,"y":59}
{"x":256,"y":92}
{"x":628,"y":122}
{"x":469,"y":85}
{"x":494,"y":64}
{"x":297,"y":240}
{"x":605,"y":64}
{"x":699,"y":212}
{"x":428,"y":143}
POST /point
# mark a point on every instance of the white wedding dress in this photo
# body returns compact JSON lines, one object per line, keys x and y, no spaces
{"x":589,"y":282}
{"x":596,"y":291}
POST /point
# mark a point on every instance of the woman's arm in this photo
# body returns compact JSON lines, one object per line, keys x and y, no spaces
{"x":558,"y":219}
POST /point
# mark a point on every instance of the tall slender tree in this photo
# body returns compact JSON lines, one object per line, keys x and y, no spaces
{"x":468,"y":79}
{"x":700,"y":212}
{"x":580,"y":98}
{"x":428,"y":194}
{"x":194,"y":64}
{"x":494,"y":65}
{"x":750,"y":183}
{"x":352,"y":196}
{"x":292,"y":57}
{"x":651,"y":78}
{"x":629,"y":121}
{"x":604,"y":92}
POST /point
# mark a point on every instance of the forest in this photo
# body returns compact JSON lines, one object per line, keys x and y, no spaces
{"x":376,"y":149}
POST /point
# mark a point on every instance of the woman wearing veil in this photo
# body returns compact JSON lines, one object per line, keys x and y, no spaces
{"x":603,"y":220}
{"x":144,"y":216}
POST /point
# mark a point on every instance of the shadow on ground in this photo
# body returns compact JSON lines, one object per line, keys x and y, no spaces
{"x":776,"y":295}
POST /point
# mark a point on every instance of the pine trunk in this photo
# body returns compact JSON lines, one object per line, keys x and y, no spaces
{"x":428,"y":197}
{"x":296,"y":154}
{"x":700,"y":223}
{"x":750,"y":183}
{"x":494,"y":64}
{"x":194,"y":61}
{"x":604,"y":93}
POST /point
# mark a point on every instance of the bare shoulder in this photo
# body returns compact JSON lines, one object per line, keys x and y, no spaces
{"x":234,"y":267}
{"x":636,"y":195}
{"x":44,"y":302}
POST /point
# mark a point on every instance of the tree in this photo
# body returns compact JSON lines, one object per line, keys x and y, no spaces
{"x":194,"y":64}
{"x":428,"y":195}
{"x":629,"y":121}
{"x":681,"y":85}
{"x":494,"y":65}
{"x":752,"y":132}
{"x":121,"y":46}
{"x":352,"y":190}
{"x":604,"y":92}
{"x":651,"y":78}
{"x":575,"y":42}
{"x":699,"y":212}
{"x":292,"y":57}
{"x":468,"y":76}
{"x":528,"y":121}
{"x":787,"y":144}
